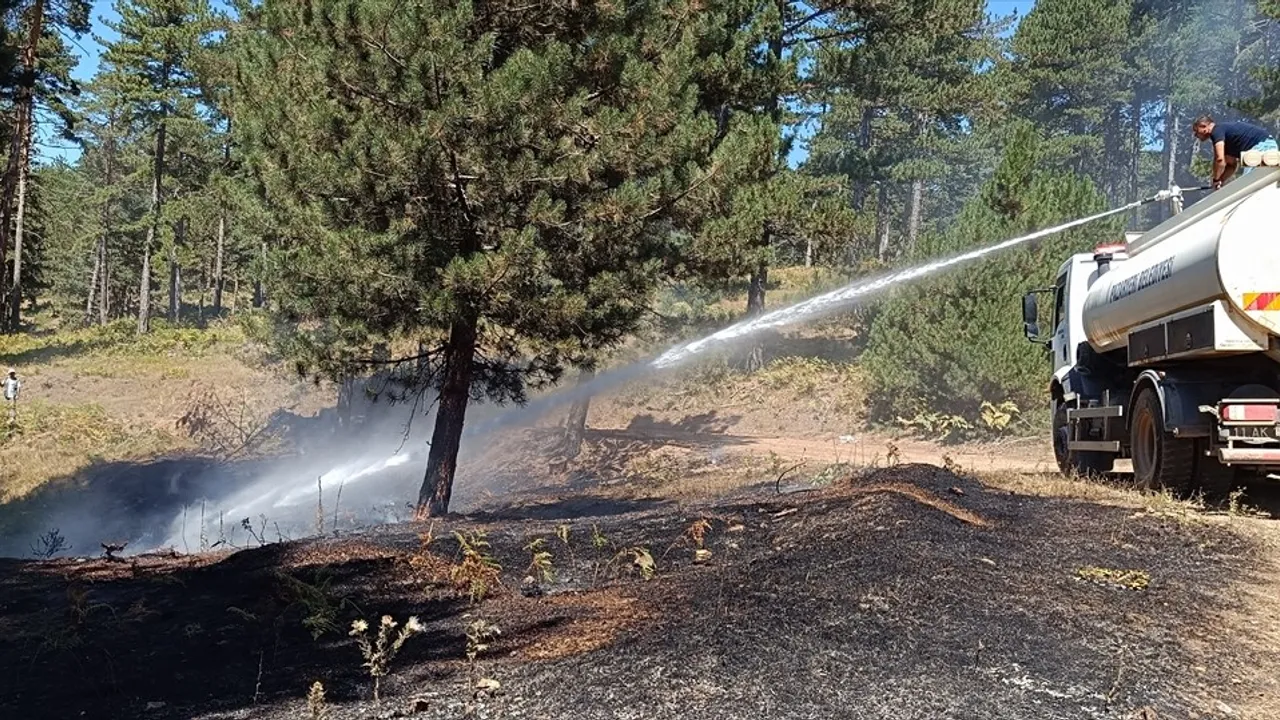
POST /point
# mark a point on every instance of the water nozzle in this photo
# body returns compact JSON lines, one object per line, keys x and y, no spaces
{"x":1172,"y":193}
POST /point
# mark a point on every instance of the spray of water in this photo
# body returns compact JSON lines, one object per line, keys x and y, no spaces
{"x":862,"y":289}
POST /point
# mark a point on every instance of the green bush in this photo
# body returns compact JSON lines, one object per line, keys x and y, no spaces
{"x":947,"y":345}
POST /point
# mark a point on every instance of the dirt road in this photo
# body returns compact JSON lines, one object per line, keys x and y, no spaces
{"x":863,"y":449}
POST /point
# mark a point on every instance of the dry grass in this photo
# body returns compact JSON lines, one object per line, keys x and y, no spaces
{"x":54,"y":441}
{"x":1103,"y":492}
{"x":106,"y":394}
{"x":594,"y":621}
{"x":791,"y":394}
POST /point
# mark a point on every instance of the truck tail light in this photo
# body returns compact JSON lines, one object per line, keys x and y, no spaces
{"x":1253,"y":412}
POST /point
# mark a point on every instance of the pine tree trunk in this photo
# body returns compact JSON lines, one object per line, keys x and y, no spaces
{"x":100,"y":263}
{"x":218,"y":280}
{"x":175,"y":272}
{"x":755,"y":308}
{"x":104,"y":294}
{"x":916,"y":215}
{"x":756,"y":290}
{"x":144,"y":287}
{"x":575,"y":427}
{"x":446,"y":438}
{"x":864,"y":144}
{"x":20,"y":154}
{"x":175,"y":289}
{"x":15,"y":298}
{"x":259,"y":292}
{"x":1135,"y":154}
{"x":144,"y":283}
{"x":93,"y":285}
{"x":1170,"y":150}
{"x":883,"y":223}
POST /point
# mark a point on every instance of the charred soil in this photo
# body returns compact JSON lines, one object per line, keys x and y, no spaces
{"x":907,"y":592}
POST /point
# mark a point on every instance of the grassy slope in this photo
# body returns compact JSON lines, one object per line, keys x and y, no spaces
{"x":104,"y":394}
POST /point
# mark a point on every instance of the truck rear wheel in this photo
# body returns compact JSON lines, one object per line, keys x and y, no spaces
{"x":1076,"y":462}
{"x":1160,"y":460}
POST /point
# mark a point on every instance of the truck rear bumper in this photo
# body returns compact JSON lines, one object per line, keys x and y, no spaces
{"x":1249,"y":456}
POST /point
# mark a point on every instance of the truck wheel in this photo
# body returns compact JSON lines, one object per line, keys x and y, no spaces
{"x":1160,"y":460}
{"x":1089,"y":464}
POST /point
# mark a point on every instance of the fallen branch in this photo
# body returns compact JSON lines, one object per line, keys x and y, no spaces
{"x":777,"y":484}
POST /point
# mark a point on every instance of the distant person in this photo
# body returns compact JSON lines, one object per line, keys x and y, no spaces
{"x":1230,"y":141}
{"x":11,"y":388}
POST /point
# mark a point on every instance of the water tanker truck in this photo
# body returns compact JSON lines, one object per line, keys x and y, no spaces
{"x":1166,"y":347}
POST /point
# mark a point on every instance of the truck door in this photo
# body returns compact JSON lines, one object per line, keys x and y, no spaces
{"x":1063,"y":355}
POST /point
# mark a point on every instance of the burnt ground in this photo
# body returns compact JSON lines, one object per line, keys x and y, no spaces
{"x":907,"y":592}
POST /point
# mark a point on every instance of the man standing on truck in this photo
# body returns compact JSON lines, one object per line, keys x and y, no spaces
{"x":1230,"y":141}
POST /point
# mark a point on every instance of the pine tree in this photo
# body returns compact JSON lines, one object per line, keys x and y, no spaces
{"x":151,"y":63}
{"x":1073,"y":74}
{"x":903,"y":101}
{"x":42,"y":89}
{"x":113,"y":163}
{"x":1263,"y":64}
{"x":486,"y":179}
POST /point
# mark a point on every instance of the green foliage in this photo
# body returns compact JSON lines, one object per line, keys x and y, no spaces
{"x":481,"y":168}
{"x":948,"y":345}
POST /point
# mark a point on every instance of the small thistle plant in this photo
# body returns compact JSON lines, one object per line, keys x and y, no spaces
{"x":378,"y":653}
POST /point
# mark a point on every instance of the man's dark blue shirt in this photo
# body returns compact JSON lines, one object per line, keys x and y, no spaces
{"x":1237,"y":136}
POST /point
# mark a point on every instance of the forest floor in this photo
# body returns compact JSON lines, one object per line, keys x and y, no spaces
{"x":902,"y":592}
{"x":726,"y":546}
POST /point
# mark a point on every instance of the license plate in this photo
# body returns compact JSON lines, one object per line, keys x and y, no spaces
{"x":1254,"y":432}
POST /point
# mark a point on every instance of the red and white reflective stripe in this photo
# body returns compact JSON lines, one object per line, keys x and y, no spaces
{"x":1249,"y":413}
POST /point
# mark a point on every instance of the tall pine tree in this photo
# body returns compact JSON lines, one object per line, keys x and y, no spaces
{"x":483,"y":178}
{"x":43,"y":88}
{"x":151,"y":65}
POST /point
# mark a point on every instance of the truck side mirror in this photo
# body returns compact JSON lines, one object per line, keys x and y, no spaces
{"x":1031,"y":316}
{"x":1030,"y":312}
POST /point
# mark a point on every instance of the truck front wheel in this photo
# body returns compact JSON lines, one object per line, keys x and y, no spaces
{"x":1160,"y":460}
{"x":1076,"y":462}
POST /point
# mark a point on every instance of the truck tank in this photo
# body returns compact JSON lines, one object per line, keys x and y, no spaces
{"x":1207,"y":280}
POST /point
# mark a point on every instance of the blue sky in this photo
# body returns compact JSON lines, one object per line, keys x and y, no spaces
{"x":89,"y":50}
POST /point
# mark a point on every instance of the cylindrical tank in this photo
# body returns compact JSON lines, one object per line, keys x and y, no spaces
{"x":1232,"y":253}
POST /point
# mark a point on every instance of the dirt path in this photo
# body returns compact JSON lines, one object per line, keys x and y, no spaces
{"x":863,"y":449}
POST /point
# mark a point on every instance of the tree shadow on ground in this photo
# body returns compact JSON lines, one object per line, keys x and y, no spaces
{"x":54,"y":351}
{"x":708,"y":423}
